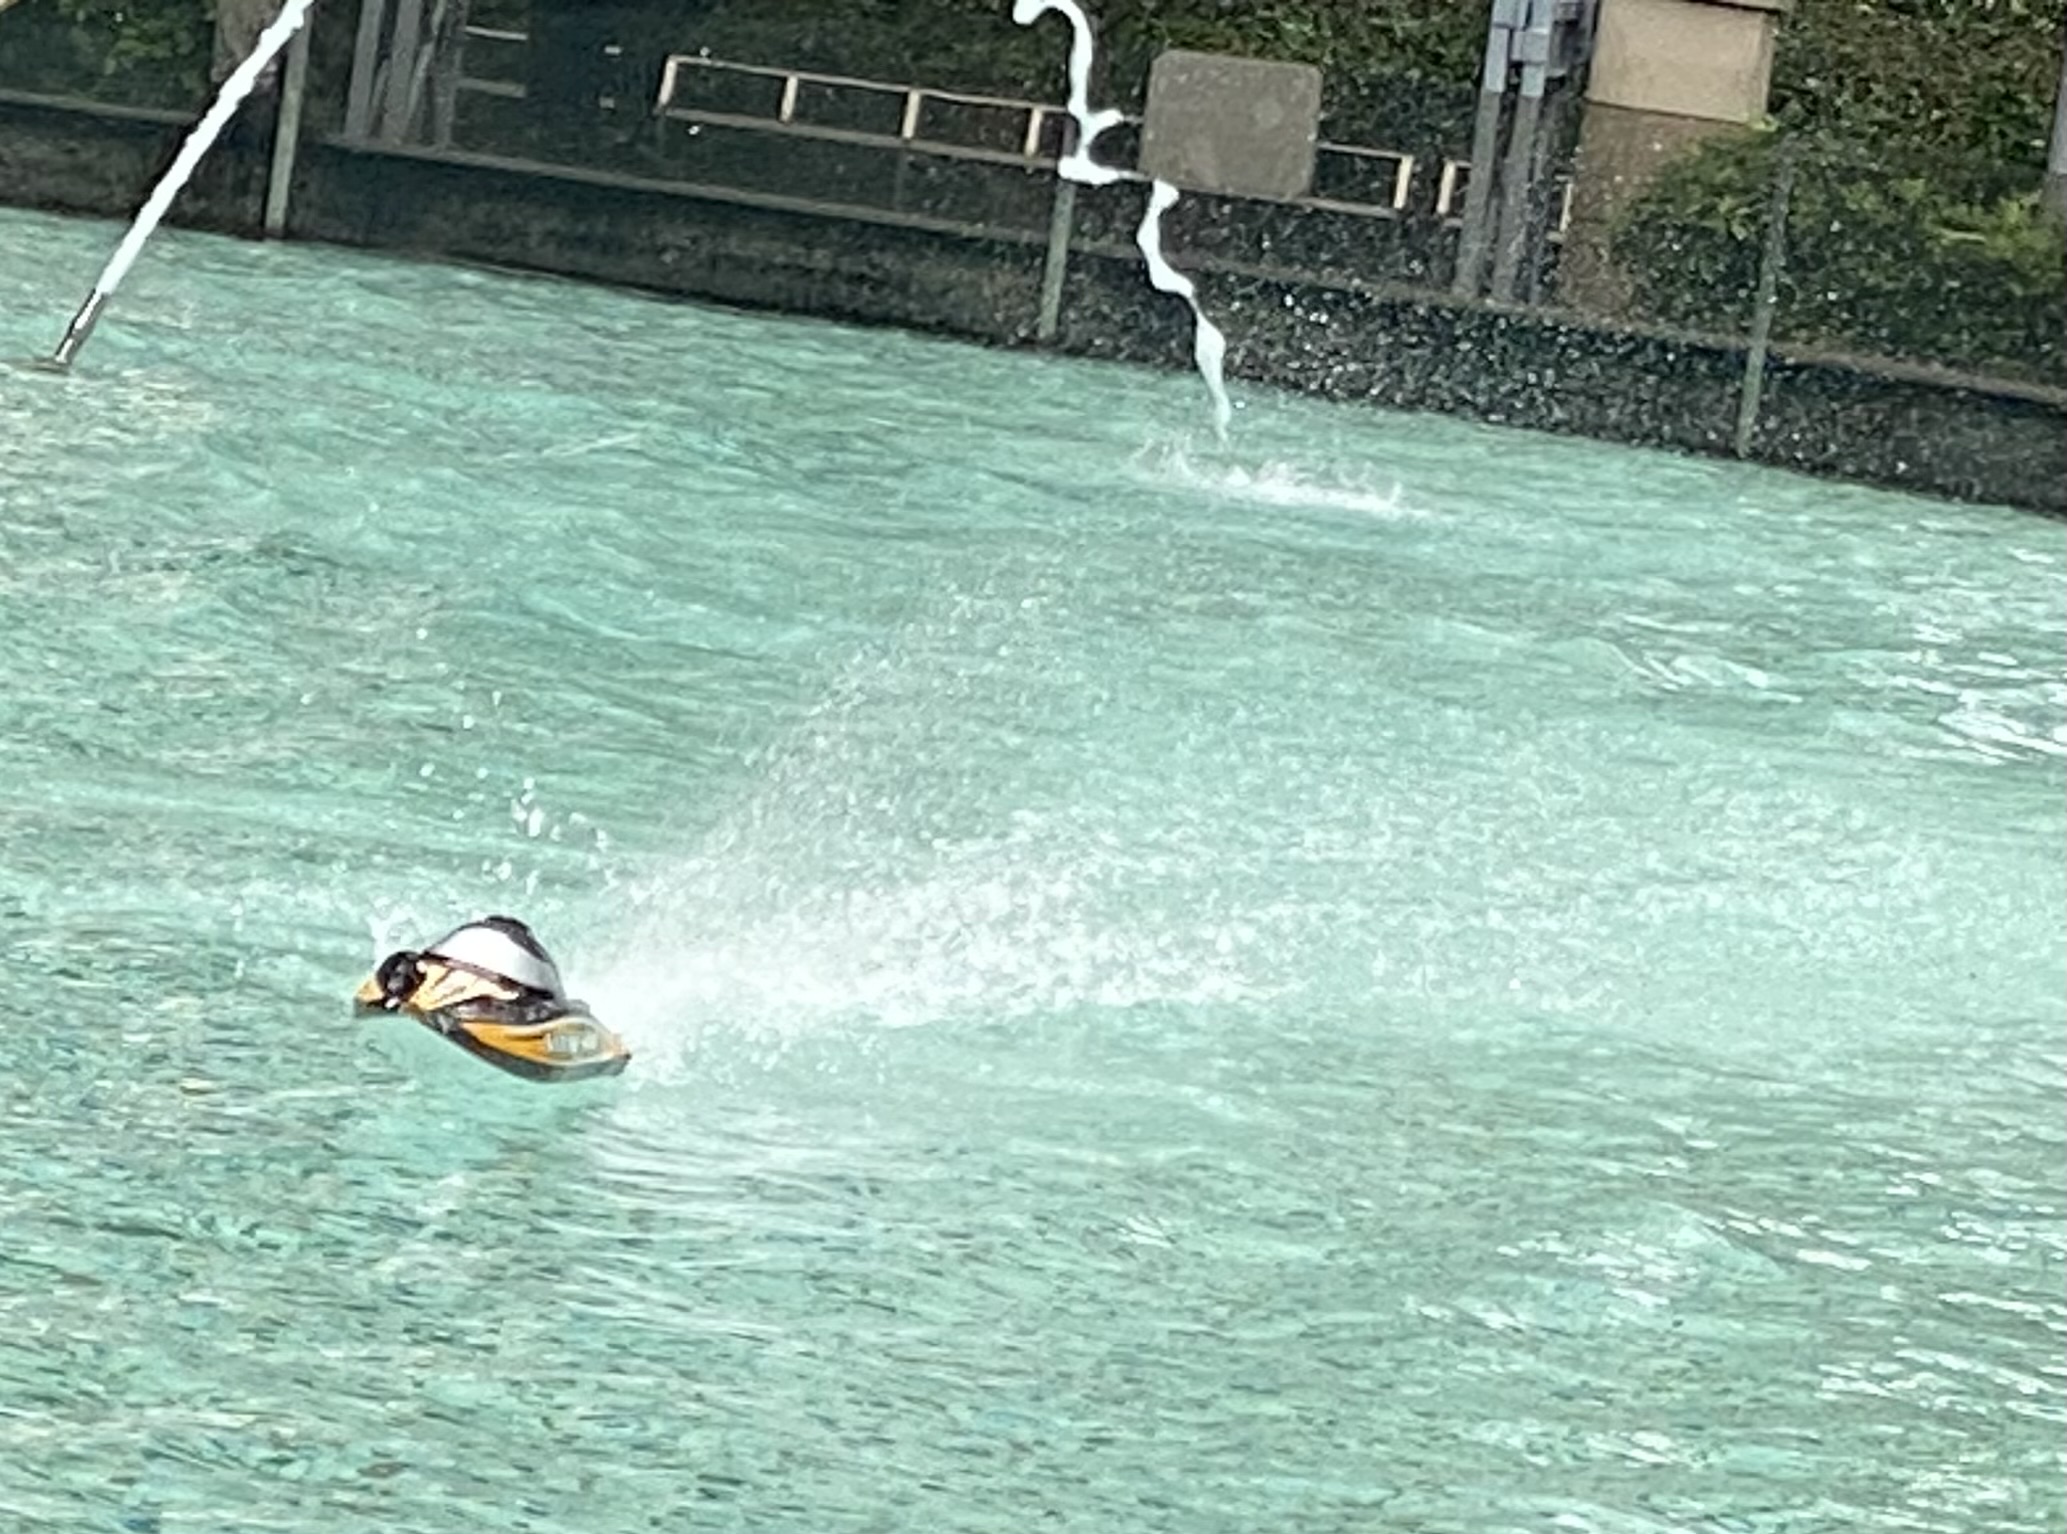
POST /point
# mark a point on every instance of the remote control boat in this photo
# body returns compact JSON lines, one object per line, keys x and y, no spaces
{"x":491,"y":988}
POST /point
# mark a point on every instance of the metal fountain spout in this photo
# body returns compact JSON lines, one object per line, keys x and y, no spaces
{"x":227,"y":100}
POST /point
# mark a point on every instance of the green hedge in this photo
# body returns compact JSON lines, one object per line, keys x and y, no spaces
{"x":1971,"y":75}
{"x":1945,"y":257}
{"x":162,"y":39}
{"x":1942,"y":258}
{"x":1921,"y":129}
{"x":137,"y":52}
{"x":1979,"y":74}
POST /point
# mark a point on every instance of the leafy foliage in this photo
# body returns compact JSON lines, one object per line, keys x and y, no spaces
{"x":1924,"y":241}
{"x":1915,"y":228}
{"x":1977,"y":75}
{"x":1941,"y":258}
{"x":162,"y":45}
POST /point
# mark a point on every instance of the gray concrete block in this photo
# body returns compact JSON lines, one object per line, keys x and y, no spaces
{"x":1236,"y":127}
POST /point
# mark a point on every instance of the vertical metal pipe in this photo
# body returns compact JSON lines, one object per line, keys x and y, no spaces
{"x":1518,"y":177}
{"x":421,"y":83}
{"x":287,"y":134}
{"x":1061,"y":222}
{"x":1545,"y":212}
{"x":81,"y":327}
{"x":2056,"y":161}
{"x":1517,"y":186}
{"x":1478,"y":195}
{"x":1485,"y":146}
{"x":451,"y":62}
{"x":400,"y":107}
{"x":365,"y":63}
{"x":1764,"y":300}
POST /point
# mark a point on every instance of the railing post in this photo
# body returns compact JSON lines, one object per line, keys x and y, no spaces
{"x":1518,"y":181}
{"x":1764,"y":301}
{"x":365,"y":65}
{"x":399,"y":110}
{"x":1403,"y":184}
{"x":1473,"y":237}
{"x":287,"y":134}
{"x":448,"y":61}
{"x":1061,"y":222}
{"x":2056,"y":158}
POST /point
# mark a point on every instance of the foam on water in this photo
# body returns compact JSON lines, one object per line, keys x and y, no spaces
{"x":1276,"y":482}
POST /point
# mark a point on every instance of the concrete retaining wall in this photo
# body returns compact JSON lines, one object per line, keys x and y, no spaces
{"x":1399,"y":347}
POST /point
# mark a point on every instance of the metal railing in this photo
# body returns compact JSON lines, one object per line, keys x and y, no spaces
{"x":911,"y":114}
{"x":1032,"y":146}
{"x":509,"y":88}
{"x":699,"y":91}
{"x":401,"y":68}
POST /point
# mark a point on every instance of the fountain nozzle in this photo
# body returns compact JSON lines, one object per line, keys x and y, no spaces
{"x":80,"y":328}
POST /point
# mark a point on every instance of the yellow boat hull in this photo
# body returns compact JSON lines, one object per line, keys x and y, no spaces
{"x":473,"y":1011}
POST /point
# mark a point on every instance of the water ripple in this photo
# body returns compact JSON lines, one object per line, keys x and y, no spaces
{"x":1393,"y":976}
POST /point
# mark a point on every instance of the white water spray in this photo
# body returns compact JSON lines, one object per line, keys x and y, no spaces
{"x":227,"y":100}
{"x":1209,"y":346}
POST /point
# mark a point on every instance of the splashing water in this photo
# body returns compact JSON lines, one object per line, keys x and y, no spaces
{"x":232,"y":95}
{"x":1078,"y":165}
{"x":1376,"y":981}
{"x":1278,"y":483}
{"x":1209,"y":346}
{"x":896,"y":891}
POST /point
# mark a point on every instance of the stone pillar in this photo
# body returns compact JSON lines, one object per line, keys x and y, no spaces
{"x":1666,"y":75}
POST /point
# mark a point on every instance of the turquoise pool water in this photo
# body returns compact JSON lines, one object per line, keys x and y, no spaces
{"x":1397,"y":976}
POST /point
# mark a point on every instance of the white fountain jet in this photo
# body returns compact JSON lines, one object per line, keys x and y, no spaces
{"x":227,"y":100}
{"x":1209,"y":346}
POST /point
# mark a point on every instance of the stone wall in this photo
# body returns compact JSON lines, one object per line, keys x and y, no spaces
{"x":1397,"y":347}
{"x":81,"y":158}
